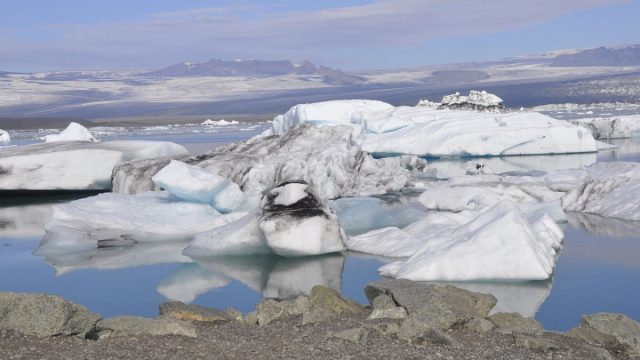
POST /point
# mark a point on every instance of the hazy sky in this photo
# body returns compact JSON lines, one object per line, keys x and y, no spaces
{"x":349,"y":34}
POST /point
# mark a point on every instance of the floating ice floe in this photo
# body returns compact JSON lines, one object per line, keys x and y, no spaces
{"x":498,"y":244}
{"x":383,"y":129}
{"x":221,"y":122}
{"x":73,"y":132}
{"x":323,"y":157}
{"x":112,"y":220}
{"x":476,"y":100}
{"x":4,"y":136}
{"x":618,"y":127}
{"x":192,"y":183}
{"x":76,"y":165}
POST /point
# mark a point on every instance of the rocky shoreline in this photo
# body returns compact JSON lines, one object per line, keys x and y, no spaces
{"x":405,"y":320}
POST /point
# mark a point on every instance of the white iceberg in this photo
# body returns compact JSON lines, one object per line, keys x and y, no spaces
{"x":73,"y":165}
{"x":499,"y":244}
{"x":4,"y":136}
{"x":296,"y":224}
{"x":221,"y":122}
{"x":395,"y":242}
{"x":476,"y":100}
{"x":192,"y":183}
{"x":442,"y":133}
{"x":619,"y":127}
{"x":111,"y":220}
{"x":383,"y":129}
{"x":336,"y":112}
{"x":324,"y":157}
{"x":610,"y":190}
{"x":73,"y":132}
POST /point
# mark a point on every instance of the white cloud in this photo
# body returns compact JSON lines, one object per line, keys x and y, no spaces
{"x":250,"y":30}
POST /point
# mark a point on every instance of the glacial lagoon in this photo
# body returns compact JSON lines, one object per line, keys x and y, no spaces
{"x":598,"y":268}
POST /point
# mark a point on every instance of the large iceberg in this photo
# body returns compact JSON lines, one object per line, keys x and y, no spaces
{"x":324,"y":157}
{"x":424,"y":131}
{"x":499,"y":244}
{"x":112,"y":220}
{"x":476,"y":100}
{"x":76,"y":165}
{"x":73,"y":132}
{"x":335,"y":112}
{"x":619,"y":127}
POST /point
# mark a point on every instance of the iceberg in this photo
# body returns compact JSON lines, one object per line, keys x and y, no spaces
{"x":423,"y":131}
{"x":324,"y":157}
{"x":192,"y":183}
{"x":476,"y":100}
{"x":4,"y":136}
{"x":618,"y":127}
{"x":295,"y":222}
{"x":221,"y":122}
{"x":335,"y":112}
{"x":73,"y":132}
{"x":610,"y":190}
{"x":76,"y":165}
{"x":498,"y":244}
{"x":113,"y":220}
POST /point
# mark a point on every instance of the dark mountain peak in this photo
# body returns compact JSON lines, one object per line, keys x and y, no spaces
{"x":601,"y":56}
{"x":254,"y":68}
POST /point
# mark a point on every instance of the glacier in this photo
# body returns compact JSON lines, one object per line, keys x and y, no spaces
{"x":73,"y":165}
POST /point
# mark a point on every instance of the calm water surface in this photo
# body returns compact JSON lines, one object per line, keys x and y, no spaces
{"x":598,"y":269}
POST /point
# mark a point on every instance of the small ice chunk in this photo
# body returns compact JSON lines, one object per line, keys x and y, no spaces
{"x":193,"y":183}
{"x":73,"y":132}
{"x":221,"y":122}
{"x":4,"y":136}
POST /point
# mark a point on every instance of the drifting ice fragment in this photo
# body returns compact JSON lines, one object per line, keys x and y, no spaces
{"x":192,"y":183}
{"x":4,"y":136}
{"x":73,"y":132}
